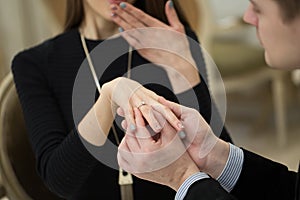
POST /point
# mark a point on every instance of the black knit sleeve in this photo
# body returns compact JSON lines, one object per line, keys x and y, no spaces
{"x":62,"y":160}
{"x":264,"y":179}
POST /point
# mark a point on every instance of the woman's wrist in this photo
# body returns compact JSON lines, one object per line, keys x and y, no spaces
{"x":95,"y":125}
{"x":183,"y":75}
{"x":106,"y":90}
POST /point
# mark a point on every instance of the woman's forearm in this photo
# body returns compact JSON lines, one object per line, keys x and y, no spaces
{"x":96,"y":124}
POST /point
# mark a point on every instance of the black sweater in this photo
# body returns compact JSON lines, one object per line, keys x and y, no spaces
{"x":44,"y":77}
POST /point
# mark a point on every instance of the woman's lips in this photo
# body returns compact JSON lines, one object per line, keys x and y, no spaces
{"x":116,"y":1}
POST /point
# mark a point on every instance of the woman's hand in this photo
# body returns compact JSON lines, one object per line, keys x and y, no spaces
{"x":129,"y":94}
{"x":163,"y":160}
{"x":164,"y":45}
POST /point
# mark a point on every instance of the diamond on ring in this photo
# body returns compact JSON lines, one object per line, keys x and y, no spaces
{"x":141,"y":104}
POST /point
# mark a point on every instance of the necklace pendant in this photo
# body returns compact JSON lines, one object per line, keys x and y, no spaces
{"x":125,"y":178}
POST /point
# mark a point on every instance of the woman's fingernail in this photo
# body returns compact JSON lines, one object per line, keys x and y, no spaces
{"x":132,"y":127}
{"x":180,"y":125}
{"x":158,"y":128}
{"x":114,"y":8}
{"x":171,"y":4}
{"x":123,"y":5}
{"x":182,"y":134}
{"x":121,"y":29}
{"x":113,"y":14}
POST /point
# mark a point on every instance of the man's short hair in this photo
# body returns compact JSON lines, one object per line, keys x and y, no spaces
{"x":290,"y":9}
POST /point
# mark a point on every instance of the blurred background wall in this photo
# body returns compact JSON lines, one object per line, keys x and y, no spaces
{"x":24,"y":23}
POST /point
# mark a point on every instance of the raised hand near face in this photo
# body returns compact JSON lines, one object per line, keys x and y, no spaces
{"x":162,"y":44}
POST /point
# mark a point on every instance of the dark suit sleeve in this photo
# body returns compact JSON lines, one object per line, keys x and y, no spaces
{"x":207,"y":189}
{"x":264,"y":179}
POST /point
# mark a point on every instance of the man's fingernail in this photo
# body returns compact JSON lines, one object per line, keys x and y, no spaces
{"x":182,"y":134}
{"x":123,"y":5}
{"x":171,"y":4}
{"x":132,"y":127}
{"x":121,"y":29}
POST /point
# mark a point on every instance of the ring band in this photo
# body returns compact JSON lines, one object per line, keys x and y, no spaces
{"x":141,"y":104}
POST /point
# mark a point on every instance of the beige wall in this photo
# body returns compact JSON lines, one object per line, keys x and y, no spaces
{"x":24,"y":23}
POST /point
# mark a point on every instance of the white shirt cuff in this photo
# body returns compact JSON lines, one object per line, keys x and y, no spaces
{"x":187,"y":184}
{"x":232,"y":170}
